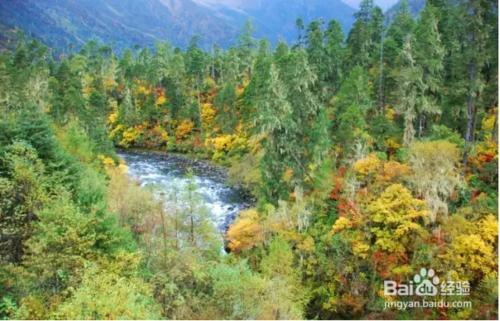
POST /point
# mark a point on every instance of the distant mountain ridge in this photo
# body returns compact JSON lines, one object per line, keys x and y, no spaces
{"x":125,"y":23}
{"x":415,"y":7}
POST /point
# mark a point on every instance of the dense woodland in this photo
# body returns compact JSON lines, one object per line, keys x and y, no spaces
{"x":370,"y":155}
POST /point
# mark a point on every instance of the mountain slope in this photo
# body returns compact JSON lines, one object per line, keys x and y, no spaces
{"x":124,"y":23}
{"x":279,"y":17}
{"x":415,"y":7}
{"x":275,"y":19}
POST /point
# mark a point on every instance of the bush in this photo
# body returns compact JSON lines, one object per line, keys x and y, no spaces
{"x":104,"y":294}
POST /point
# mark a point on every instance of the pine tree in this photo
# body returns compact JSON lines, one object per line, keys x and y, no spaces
{"x":226,"y":103}
{"x":195,"y":67}
{"x":335,"y":52}
{"x":411,"y":90}
{"x":308,"y":142}
{"x":274,"y":121}
{"x":475,"y":37}
{"x":429,"y":55}
{"x":377,"y":27}
{"x":315,"y":48}
{"x":299,"y":24}
{"x":359,"y":38}
{"x":246,"y":48}
{"x":67,"y":98}
{"x":23,"y":193}
{"x":353,"y":102}
{"x":400,"y":28}
{"x":255,"y":93}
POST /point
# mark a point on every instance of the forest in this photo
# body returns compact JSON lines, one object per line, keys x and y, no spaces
{"x":370,"y":155}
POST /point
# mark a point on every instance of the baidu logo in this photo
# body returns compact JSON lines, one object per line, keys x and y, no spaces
{"x":426,"y":283}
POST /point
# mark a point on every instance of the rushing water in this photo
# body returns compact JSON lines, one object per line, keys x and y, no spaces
{"x":167,"y":172}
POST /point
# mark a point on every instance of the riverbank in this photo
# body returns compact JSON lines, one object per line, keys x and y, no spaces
{"x":168,"y":173}
{"x":234,"y":181}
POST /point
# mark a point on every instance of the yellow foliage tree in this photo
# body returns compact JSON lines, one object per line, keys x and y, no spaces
{"x":367,"y":166}
{"x":184,"y":129}
{"x":207,"y":115}
{"x":160,"y":100}
{"x":223,"y":143}
{"x":246,"y":232}
{"x":106,"y":161}
{"x":227,"y":143}
{"x":160,"y":133}
{"x":489,"y":123}
{"x":116,"y":131}
{"x":394,"y":170}
{"x":112,"y":118}
{"x":131,"y":135}
{"x":473,"y":251}
{"x":143,"y":90}
{"x":341,"y":224}
{"x":398,"y":219}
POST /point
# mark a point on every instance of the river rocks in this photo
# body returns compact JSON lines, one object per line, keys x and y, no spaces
{"x":167,"y":173}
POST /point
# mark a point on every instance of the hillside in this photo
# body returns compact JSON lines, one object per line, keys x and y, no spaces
{"x":415,"y":7}
{"x":127,"y":23}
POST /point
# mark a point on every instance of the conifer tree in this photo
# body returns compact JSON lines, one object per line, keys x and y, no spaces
{"x":315,"y":48}
{"x":400,"y":28}
{"x":335,"y":52}
{"x":353,"y":102}
{"x":275,"y":122}
{"x":359,"y":38}
{"x":309,"y":126}
{"x":474,"y":33}
{"x":429,"y":55}
{"x":246,"y":48}
{"x":411,"y":90}
{"x":255,"y":93}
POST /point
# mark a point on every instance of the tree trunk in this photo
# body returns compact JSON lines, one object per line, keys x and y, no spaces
{"x":421,"y":125}
{"x":471,"y":113}
{"x":381,"y":99}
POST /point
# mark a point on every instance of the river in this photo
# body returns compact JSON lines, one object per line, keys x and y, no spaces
{"x":167,"y":172}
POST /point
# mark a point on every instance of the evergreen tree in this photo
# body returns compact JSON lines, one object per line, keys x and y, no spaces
{"x":226,"y":103}
{"x":267,"y":96}
{"x":335,"y":51}
{"x":22,"y":193}
{"x":315,"y":48}
{"x":411,"y":91}
{"x":275,"y":122}
{"x":67,"y":98}
{"x":470,"y":59}
{"x":299,"y":24}
{"x":245,"y":47}
{"x":309,"y":126}
{"x":377,"y":27}
{"x":359,"y":38}
{"x":400,"y":28}
{"x":195,"y":67}
{"x":255,"y":93}
{"x":429,"y":55}
{"x":353,"y":102}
